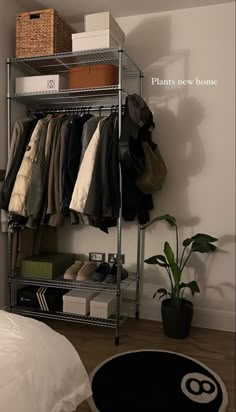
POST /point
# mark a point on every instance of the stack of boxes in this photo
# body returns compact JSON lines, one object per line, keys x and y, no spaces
{"x":101,"y":31}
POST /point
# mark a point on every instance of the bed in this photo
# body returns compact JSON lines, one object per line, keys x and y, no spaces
{"x":40,"y":370}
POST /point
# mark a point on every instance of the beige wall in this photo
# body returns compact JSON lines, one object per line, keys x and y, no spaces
{"x":195,"y":132}
{"x":7,"y":49}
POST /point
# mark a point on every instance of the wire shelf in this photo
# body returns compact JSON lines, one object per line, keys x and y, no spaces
{"x":74,"y":284}
{"x":70,"y":317}
{"x":70,"y":97}
{"x":62,"y":62}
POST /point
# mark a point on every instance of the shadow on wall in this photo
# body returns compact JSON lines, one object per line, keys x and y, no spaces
{"x":201,"y":265}
{"x":177,"y":129}
{"x":182,"y":148}
{"x":178,"y":117}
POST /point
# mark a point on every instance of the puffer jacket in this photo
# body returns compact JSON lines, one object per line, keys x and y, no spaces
{"x":28,"y":188}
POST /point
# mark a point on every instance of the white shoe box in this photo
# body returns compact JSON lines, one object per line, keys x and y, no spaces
{"x":98,"y":39}
{"x":78,"y":301}
{"x":101,"y":21}
{"x":103,"y":305}
{"x":30,"y":84}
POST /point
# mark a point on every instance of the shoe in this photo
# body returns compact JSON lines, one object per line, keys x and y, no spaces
{"x":72,"y":271}
{"x":112,"y":276}
{"x":86,"y":270}
{"x":101,"y":272}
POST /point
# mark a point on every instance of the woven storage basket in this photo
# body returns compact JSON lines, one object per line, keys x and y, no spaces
{"x":42,"y":33}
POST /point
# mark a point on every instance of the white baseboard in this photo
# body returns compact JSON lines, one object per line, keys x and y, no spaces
{"x":203,"y":318}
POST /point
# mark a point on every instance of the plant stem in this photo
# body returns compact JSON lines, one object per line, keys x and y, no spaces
{"x":181,"y":260}
{"x":177,"y":244}
{"x":171,"y":282}
{"x":169,"y":274}
{"x":182,"y":293}
{"x":183,"y":265}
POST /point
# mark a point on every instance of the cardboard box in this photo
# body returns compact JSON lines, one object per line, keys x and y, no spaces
{"x":46,"y":266}
{"x":98,"y":39}
{"x":103,"y":305}
{"x":101,"y":21}
{"x":78,"y":301}
{"x":31,"y":84}
{"x":97,"y":75}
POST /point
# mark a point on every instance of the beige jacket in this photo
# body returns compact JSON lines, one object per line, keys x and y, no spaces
{"x":84,"y":177}
{"x":27,"y":191}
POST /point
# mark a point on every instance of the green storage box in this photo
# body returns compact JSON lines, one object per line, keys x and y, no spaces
{"x":46,"y":266}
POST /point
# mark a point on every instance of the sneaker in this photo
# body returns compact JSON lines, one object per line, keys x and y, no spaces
{"x":101,"y":272}
{"x":72,"y":271}
{"x":112,"y":276}
{"x":86,"y":270}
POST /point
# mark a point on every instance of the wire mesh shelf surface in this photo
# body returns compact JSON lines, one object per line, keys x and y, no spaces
{"x":69,"y":97}
{"x":71,"y":317}
{"x":74,"y":284}
{"x":62,"y":62}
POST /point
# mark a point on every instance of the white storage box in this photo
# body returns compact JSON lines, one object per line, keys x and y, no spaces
{"x":77,"y":301}
{"x":98,"y":39}
{"x":45,"y":83}
{"x":103,"y":305}
{"x":101,"y":21}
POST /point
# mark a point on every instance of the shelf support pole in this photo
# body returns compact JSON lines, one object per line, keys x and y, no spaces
{"x":9,"y":235}
{"x":139,"y":238}
{"x":119,"y":225}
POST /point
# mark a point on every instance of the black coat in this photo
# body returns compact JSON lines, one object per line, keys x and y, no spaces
{"x":72,"y":160}
{"x":103,"y":200}
{"x":135,"y":203}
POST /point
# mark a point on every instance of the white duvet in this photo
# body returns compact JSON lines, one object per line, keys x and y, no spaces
{"x":40,"y":371}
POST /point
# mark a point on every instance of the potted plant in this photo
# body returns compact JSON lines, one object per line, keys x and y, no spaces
{"x":176,"y":310}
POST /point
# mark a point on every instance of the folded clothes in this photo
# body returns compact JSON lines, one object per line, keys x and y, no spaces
{"x":72,"y":271}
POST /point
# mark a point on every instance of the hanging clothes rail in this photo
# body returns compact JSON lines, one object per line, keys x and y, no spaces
{"x":78,"y":109}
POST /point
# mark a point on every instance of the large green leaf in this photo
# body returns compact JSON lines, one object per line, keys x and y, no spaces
{"x":161,"y":260}
{"x":202,"y":237}
{"x":193,"y":286}
{"x":151,"y":261}
{"x":203,"y":247}
{"x":163,"y":293}
{"x":169,"y":219}
{"x":175,"y":269}
{"x":187,"y":241}
{"x":157,"y":260}
{"x":169,"y":253}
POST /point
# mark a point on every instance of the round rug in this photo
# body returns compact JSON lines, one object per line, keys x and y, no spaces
{"x":156,"y":381}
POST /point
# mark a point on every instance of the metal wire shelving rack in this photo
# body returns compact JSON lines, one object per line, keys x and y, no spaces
{"x":70,"y":100}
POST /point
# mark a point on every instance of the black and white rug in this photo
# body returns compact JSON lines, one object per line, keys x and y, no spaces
{"x":156,"y":381}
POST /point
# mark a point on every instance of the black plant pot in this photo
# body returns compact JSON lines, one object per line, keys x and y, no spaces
{"x":177,"y":320}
